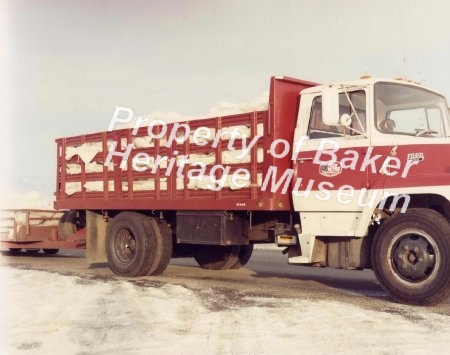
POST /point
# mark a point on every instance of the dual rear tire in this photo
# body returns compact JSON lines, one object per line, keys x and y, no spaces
{"x":138,"y":245}
{"x":217,"y":257}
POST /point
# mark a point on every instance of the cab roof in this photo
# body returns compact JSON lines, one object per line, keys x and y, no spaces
{"x":366,"y":81}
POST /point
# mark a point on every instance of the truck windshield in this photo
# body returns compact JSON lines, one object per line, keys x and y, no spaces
{"x":407,"y":110}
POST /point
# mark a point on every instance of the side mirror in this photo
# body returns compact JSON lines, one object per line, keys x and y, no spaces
{"x":345,"y":120}
{"x":330,"y":106}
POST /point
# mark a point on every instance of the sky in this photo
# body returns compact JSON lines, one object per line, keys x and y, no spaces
{"x":65,"y":65}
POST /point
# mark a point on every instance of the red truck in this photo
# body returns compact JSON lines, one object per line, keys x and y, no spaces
{"x":352,"y":176}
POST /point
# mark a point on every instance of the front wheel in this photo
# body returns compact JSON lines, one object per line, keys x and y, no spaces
{"x":411,"y":257}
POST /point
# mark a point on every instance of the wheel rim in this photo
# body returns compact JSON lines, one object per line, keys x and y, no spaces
{"x":415,"y":256}
{"x":125,"y":246}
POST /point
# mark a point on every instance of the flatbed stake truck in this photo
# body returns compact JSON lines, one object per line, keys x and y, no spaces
{"x":353,"y":175}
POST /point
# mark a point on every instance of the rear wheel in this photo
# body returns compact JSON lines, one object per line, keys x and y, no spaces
{"x":138,"y":245}
{"x":67,"y":224}
{"x":244,"y":256}
{"x":15,"y":250}
{"x":163,"y":234}
{"x":130,"y":248}
{"x":217,"y":257}
{"x":411,"y":256}
{"x":50,"y":251}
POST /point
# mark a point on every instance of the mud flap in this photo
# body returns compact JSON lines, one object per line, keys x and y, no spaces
{"x":95,"y":238}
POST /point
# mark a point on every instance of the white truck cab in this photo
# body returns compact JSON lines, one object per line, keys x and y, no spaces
{"x":370,"y":155}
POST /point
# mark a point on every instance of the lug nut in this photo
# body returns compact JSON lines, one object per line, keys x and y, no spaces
{"x":416,"y":249}
{"x":406,"y":247}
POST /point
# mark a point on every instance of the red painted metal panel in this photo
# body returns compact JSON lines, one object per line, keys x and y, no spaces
{"x":432,"y":170}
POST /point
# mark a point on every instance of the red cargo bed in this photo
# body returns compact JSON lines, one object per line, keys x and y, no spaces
{"x":83,"y":182}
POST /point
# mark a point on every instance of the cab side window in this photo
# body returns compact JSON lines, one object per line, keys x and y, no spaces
{"x":317,"y":129}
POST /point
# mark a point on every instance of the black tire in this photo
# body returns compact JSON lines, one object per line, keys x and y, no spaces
{"x":32,"y":251}
{"x":80,"y":219}
{"x":411,"y":257}
{"x":15,"y":250}
{"x":163,"y":235}
{"x":131,"y":245}
{"x":51,"y":251}
{"x":67,"y":224}
{"x":216,"y":257}
{"x":244,"y":256}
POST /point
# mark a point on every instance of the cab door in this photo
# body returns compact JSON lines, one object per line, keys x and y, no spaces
{"x":328,"y":169}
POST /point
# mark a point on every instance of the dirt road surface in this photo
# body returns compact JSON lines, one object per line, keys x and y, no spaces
{"x":266,"y":275}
